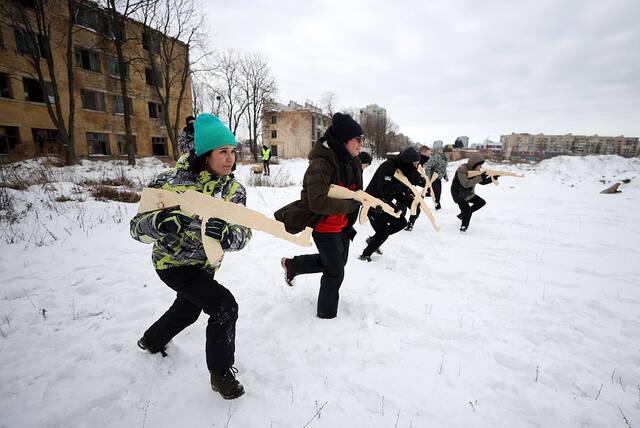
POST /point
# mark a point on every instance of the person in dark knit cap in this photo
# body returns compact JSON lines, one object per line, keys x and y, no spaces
{"x":425,"y":154}
{"x":332,"y":160}
{"x":385,"y":186}
{"x":185,"y":139}
{"x":365,"y":159}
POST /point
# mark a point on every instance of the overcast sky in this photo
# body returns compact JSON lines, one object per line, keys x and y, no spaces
{"x":449,"y":68}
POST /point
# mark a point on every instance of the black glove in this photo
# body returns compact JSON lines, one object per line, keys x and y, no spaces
{"x":484,"y":176}
{"x":218,"y":229}
{"x":171,"y":221}
{"x":376,"y":210}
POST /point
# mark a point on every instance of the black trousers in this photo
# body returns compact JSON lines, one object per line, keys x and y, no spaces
{"x":385,"y":225}
{"x":265,"y":165}
{"x":197,"y":291}
{"x":333,"y":251}
{"x":467,"y":208}
{"x":437,"y":189}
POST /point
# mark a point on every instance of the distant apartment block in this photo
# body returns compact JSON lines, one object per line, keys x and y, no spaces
{"x":291,"y":130}
{"x":26,"y":129}
{"x":540,"y":146}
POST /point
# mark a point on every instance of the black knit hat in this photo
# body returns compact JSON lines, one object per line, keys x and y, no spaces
{"x":344,"y":128}
{"x":409,"y":155}
{"x":189,"y":118}
{"x":365,"y":157}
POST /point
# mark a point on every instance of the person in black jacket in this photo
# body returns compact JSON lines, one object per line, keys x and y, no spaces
{"x":425,"y":154}
{"x":384,"y":186}
{"x":462,"y":189}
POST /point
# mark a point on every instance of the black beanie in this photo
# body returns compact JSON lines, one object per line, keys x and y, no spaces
{"x":409,"y":155}
{"x":365,"y":157}
{"x":188,"y":119}
{"x":344,"y":128}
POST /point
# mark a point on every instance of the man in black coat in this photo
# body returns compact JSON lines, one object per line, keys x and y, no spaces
{"x":384,"y":186}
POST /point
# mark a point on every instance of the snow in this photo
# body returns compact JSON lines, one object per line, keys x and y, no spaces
{"x":530,"y":319}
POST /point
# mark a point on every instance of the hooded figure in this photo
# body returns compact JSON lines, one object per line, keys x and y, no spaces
{"x":385,"y":186}
{"x":332,"y":160}
{"x":185,"y":139}
{"x":462,"y":189}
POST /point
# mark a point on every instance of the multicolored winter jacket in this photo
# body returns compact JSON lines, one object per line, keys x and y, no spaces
{"x":437,"y":163}
{"x":185,"y":248}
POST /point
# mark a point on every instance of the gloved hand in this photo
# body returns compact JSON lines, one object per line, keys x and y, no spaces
{"x":218,"y":229}
{"x":377,"y":209}
{"x":171,"y":221}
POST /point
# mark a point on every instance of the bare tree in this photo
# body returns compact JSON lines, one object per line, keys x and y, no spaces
{"x":176,"y":29}
{"x":199,"y":95}
{"x":34,"y":34}
{"x":117,"y":13}
{"x":259,"y":88}
{"x":328,"y":102}
{"x":227,"y":71}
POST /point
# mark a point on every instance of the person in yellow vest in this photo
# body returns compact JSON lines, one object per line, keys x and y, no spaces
{"x":266,"y":157}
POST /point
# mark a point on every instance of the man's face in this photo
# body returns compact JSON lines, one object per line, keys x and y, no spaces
{"x":354,"y":146}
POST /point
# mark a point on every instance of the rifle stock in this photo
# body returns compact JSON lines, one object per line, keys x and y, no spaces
{"x":367,"y":201}
{"x":429,"y":182}
{"x":206,"y":207}
{"x":417,"y":199}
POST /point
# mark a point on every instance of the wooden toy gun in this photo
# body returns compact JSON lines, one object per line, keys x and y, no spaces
{"x":417,"y":198}
{"x":367,"y":201}
{"x":427,"y":186}
{"x":206,"y":207}
{"x":493,"y":174}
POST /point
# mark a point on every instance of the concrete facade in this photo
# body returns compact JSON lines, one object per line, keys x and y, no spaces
{"x":290,"y":131}
{"x":540,"y":146}
{"x":99,"y":118}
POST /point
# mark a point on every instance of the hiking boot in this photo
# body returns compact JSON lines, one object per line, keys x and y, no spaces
{"x":377,"y":250}
{"x":438,"y":206}
{"x":409,"y":227}
{"x":364,"y":258}
{"x":142,"y":344}
{"x":288,"y":275}
{"x":463,"y":228}
{"x":226,"y":384}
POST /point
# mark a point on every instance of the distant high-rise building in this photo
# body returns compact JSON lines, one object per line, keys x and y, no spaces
{"x":540,"y":146}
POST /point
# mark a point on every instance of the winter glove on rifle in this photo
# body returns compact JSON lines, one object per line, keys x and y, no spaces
{"x":171,"y":221}
{"x":218,"y":229}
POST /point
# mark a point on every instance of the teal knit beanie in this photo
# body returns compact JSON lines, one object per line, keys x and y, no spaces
{"x":210,"y":134}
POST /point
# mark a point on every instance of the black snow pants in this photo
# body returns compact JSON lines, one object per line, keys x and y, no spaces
{"x":333,"y":251}
{"x":197,"y":291}
{"x":385,"y":225}
{"x":467,"y":208}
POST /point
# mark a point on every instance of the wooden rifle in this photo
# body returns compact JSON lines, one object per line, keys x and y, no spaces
{"x":417,"y":198}
{"x":206,"y":207}
{"x":367,"y":201}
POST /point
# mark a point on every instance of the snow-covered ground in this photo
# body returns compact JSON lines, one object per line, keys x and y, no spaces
{"x":530,"y":319}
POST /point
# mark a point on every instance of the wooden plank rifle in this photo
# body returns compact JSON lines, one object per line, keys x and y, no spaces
{"x":367,"y":201}
{"x":429,"y":182}
{"x":493,"y":174}
{"x":206,"y":207}
{"x":417,"y":198}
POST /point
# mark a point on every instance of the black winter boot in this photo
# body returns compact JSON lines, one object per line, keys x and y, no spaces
{"x":288,"y":275}
{"x":227,"y":384}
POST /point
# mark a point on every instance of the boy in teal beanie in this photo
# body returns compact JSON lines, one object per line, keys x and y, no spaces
{"x":211,"y":133}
